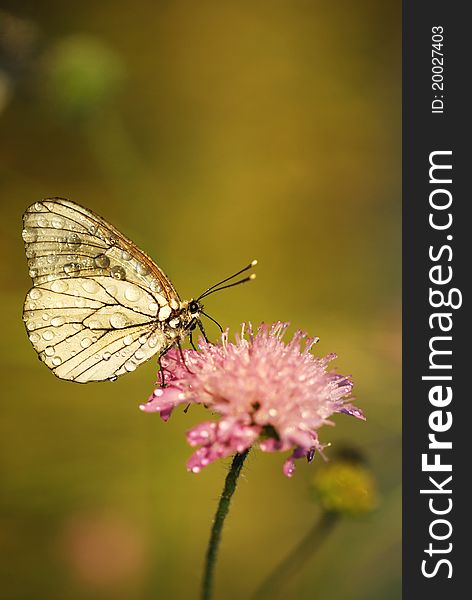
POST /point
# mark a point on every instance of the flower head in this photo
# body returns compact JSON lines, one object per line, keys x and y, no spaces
{"x":265,"y":390}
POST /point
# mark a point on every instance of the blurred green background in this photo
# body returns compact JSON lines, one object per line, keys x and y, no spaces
{"x":210,"y":133}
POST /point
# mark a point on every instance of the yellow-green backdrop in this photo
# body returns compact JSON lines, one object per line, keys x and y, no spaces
{"x":210,"y":133}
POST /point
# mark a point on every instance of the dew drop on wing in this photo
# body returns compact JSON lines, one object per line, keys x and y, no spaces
{"x":70,"y":268}
{"x":73,"y":240}
{"x":57,"y":222}
{"x":132,"y":294}
{"x":118,"y":272}
{"x":59,"y":286}
{"x":102,"y":261}
{"x":29,"y":235}
{"x":118,"y":320}
{"x":90,"y":286}
{"x":142,"y":269}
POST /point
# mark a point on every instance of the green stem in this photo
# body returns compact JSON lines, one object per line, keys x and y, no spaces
{"x":221,"y":512}
{"x":273,"y":584}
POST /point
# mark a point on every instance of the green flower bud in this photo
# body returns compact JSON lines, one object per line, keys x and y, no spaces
{"x":344,"y":487}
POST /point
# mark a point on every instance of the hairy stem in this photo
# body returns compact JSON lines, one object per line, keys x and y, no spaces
{"x":220,"y":515}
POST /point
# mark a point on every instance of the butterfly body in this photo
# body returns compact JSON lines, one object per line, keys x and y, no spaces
{"x":99,"y":306}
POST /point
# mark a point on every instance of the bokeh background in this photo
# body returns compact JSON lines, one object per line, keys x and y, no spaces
{"x":210,"y":133}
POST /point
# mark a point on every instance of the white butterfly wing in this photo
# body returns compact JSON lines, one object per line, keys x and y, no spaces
{"x":98,"y":306}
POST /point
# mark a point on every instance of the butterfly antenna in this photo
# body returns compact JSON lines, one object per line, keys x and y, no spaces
{"x":216,"y":288}
{"x":212,"y":319}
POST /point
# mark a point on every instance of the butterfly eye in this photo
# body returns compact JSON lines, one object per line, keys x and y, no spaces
{"x":193,"y":307}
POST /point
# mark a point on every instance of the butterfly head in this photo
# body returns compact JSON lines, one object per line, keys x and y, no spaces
{"x":190,"y":314}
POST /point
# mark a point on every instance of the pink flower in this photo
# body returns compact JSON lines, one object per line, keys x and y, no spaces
{"x":266,"y":391}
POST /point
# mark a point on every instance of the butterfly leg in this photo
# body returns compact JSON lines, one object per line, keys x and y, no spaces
{"x":200,"y":326}
{"x":190,"y":335}
{"x":182,"y":356}
{"x":161,"y":371}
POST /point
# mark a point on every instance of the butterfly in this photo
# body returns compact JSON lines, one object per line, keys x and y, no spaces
{"x":99,"y":306}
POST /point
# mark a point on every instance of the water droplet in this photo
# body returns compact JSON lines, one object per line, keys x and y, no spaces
{"x":153,"y":306}
{"x":113,"y":378}
{"x":118,"y":272}
{"x":29,"y":235}
{"x":125,"y":255}
{"x":86,"y":342}
{"x":142,"y":339}
{"x":38,"y":206}
{"x":102,"y":261}
{"x":73,"y":240}
{"x":57,"y":321}
{"x":56,"y":361}
{"x":160,"y":299}
{"x":90,"y":286}
{"x":35,"y":294}
{"x":71,"y":268}
{"x":45,"y":317}
{"x":142,"y":269}
{"x":164,"y":312}
{"x":93,"y":229}
{"x":130,"y":365}
{"x":139,"y":355}
{"x":77,"y":326}
{"x":34,"y":338}
{"x":94,"y":324}
{"x":30,"y":326}
{"x":155,"y":286}
{"x":57,"y":222}
{"x":49,"y":351}
{"x":152,"y":342}
{"x":59,"y":286}
{"x":106,"y":356}
{"x":132,"y":293}
{"x":112,"y":240}
{"x":118,"y":320}
{"x":48,"y":335}
{"x":42,"y":222}
{"x":128,"y":340}
{"x":33,"y":273}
